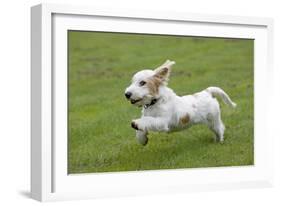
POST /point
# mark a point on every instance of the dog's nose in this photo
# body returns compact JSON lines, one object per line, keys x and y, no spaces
{"x":128,"y":95}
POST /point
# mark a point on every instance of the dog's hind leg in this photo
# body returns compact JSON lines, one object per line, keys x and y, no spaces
{"x":217,"y":126}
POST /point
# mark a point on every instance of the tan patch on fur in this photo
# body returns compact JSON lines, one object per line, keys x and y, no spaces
{"x":153,"y":85}
{"x":162,"y":73}
{"x":185,"y":119}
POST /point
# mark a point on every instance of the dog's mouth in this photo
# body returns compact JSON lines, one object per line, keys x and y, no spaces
{"x":134,"y":101}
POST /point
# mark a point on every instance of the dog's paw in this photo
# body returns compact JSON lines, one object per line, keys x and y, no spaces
{"x":136,"y":124}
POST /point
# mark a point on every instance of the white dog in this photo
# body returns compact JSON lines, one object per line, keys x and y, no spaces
{"x":164,"y":111}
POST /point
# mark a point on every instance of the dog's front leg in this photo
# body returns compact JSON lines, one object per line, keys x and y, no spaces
{"x":141,"y":137}
{"x":151,"y":124}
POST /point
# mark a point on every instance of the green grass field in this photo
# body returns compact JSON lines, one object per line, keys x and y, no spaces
{"x":100,"y":68}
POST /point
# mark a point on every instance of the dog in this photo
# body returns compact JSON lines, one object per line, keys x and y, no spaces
{"x":164,"y":111}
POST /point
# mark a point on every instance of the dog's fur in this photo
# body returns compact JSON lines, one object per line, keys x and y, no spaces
{"x":164,"y":111}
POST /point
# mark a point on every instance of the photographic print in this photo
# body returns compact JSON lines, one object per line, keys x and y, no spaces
{"x":150,"y":102}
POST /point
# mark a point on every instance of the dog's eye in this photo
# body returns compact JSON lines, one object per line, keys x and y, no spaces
{"x":142,"y":83}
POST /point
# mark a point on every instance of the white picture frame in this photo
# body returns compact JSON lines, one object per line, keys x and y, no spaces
{"x":49,"y":178}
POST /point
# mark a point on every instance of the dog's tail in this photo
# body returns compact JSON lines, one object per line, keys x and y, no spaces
{"x":216,"y":91}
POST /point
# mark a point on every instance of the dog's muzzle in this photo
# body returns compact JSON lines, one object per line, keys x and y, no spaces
{"x":133,"y":101}
{"x":128,"y":95}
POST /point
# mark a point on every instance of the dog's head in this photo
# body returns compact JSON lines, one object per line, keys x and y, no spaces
{"x":146,"y":83}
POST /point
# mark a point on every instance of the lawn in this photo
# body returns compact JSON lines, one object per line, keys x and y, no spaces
{"x":100,"y":138}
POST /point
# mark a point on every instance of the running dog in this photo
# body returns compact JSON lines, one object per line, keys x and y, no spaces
{"x":164,"y":111}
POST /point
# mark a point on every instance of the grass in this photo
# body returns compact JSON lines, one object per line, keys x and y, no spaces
{"x":100,"y":68}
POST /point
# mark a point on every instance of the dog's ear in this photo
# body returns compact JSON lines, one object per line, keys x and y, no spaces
{"x":163,"y":72}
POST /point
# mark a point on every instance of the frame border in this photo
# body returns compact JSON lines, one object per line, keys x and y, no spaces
{"x":41,"y":76}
